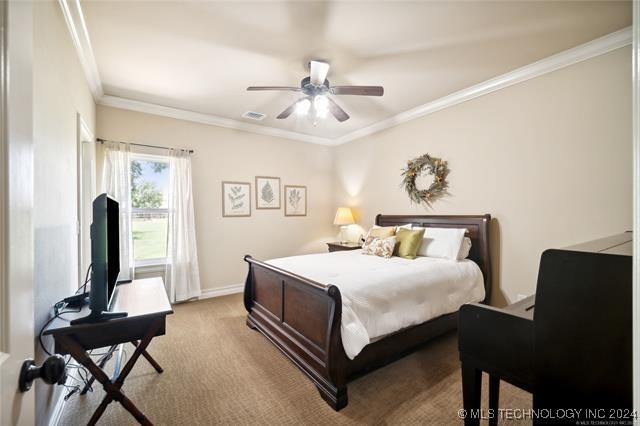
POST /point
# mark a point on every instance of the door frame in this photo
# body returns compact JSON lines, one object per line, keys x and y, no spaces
{"x":84,"y":136}
{"x":16,"y":208}
{"x":4,"y":332}
{"x":636,"y":205}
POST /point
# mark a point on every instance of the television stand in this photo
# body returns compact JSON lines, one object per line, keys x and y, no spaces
{"x":147,"y":305}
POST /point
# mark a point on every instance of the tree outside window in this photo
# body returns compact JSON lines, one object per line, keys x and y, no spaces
{"x":149,"y":183}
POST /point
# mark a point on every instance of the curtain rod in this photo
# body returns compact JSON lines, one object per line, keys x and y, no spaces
{"x":190,"y":151}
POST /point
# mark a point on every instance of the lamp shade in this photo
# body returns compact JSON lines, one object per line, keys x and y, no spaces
{"x":343,"y":216}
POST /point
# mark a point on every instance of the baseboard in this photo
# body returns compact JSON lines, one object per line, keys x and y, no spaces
{"x":56,"y":415}
{"x":221,"y":291}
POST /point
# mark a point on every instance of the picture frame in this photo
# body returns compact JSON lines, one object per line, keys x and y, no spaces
{"x":236,"y":199}
{"x":268,"y":194}
{"x":295,"y":200}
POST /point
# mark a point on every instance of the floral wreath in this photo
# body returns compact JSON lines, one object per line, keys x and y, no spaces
{"x":432,"y":166}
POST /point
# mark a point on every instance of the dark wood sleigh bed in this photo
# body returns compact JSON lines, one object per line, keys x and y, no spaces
{"x":302,"y":317}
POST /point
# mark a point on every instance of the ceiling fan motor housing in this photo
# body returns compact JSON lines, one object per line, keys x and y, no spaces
{"x":310,"y":89}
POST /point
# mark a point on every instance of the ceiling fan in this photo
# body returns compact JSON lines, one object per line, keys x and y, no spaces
{"x":317,"y":91}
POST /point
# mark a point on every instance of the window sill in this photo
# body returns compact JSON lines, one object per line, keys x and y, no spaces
{"x":149,"y":267}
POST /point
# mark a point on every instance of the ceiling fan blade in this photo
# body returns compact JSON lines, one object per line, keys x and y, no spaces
{"x":358,"y":90}
{"x":337,"y":112}
{"x":287,"y":112}
{"x":319,"y":71}
{"x":256,"y":88}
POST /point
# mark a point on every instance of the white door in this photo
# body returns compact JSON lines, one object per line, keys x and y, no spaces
{"x":16,"y":204}
{"x":636,"y":206}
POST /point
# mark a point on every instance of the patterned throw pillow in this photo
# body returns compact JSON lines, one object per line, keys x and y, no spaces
{"x":382,"y":247}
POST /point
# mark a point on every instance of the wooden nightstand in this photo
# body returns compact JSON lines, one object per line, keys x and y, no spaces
{"x":335,"y":246}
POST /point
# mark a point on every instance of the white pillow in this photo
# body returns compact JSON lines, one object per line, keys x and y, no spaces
{"x":442,"y":243}
{"x":464,"y":248}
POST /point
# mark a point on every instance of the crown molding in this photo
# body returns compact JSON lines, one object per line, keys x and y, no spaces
{"x":74,"y":17}
{"x":80,"y":36}
{"x":577,"y":54}
{"x":214,"y":120}
{"x":76,"y":24}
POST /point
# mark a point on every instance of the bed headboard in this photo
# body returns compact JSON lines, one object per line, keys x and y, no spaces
{"x":477,"y":225}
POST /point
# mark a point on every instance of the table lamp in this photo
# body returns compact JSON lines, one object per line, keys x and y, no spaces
{"x":343,"y":218}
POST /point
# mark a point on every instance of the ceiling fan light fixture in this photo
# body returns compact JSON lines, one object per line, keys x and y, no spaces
{"x":321,"y":105}
{"x":302,"y":107}
{"x":315,"y":90}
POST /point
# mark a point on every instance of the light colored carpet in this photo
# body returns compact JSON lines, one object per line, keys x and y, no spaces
{"x":218,"y":371}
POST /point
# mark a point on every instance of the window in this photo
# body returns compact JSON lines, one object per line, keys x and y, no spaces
{"x":149,"y":218}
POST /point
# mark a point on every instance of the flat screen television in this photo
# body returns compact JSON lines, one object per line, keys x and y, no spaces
{"x":105,"y":259}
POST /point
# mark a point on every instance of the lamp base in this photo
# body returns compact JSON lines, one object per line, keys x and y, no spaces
{"x":342,"y":240}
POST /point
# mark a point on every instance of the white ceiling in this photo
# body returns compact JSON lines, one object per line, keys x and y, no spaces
{"x":201,"y":56}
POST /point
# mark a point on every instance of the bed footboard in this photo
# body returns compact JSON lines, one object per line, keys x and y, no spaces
{"x":302,"y":318}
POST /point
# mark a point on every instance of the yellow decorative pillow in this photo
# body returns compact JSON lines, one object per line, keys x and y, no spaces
{"x":408,"y":242}
{"x":382,"y":232}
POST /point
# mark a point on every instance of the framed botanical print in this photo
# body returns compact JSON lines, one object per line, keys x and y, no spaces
{"x":295,"y":200}
{"x":267,"y":192}
{"x":236,"y":199}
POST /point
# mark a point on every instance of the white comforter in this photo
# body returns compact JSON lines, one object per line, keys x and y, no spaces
{"x":382,"y":296}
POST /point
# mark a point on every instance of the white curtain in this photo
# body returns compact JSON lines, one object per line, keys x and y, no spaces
{"x":182,"y":278}
{"x":116,"y":181}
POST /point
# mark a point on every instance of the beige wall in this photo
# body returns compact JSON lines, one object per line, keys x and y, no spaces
{"x":226,"y":154}
{"x":549,"y":159}
{"x":60,"y":92}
